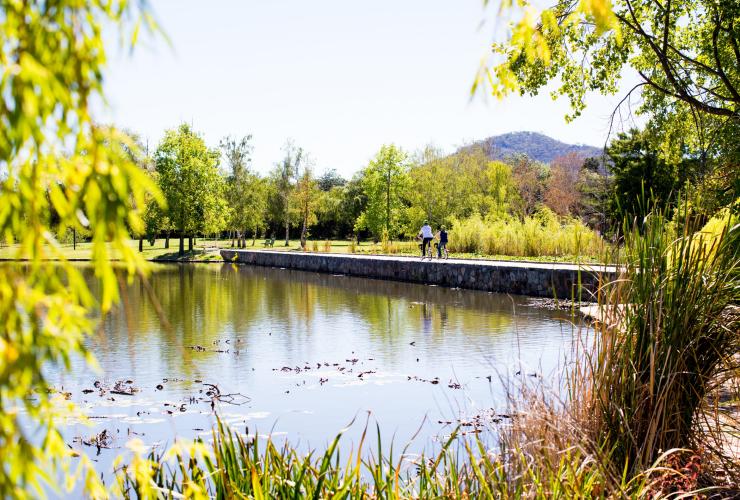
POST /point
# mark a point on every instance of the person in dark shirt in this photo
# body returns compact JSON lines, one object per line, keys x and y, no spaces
{"x":442,"y":245}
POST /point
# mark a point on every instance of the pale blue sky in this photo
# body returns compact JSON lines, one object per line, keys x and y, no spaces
{"x":340,"y":77}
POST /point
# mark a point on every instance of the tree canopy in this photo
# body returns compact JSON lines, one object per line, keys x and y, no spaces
{"x":385,"y":182}
{"x":54,"y":156}
{"x":191,"y":182}
{"x":686,"y":54}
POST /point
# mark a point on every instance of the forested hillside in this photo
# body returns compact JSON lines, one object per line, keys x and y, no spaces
{"x":537,"y":146}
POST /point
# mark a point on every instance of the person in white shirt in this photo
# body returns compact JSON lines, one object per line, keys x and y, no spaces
{"x":426,"y":236}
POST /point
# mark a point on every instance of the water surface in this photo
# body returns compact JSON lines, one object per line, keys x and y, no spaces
{"x":305,"y":353}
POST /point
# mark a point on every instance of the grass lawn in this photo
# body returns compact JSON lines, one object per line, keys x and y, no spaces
{"x":207,"y":250}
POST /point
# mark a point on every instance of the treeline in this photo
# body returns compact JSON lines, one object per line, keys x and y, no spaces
{"x":213,"y":191}
{"x":516,"y":205}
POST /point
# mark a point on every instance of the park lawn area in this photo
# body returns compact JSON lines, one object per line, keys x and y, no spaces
{"x":207,"y":250}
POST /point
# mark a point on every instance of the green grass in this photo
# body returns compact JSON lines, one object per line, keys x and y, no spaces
{"x":207,"y":250}
{"x":204,"y":250}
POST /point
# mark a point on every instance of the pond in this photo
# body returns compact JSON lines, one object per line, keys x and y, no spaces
{"x":302,"y":354}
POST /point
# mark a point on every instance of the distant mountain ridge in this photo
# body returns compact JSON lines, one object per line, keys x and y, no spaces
{"x":535,"y":145}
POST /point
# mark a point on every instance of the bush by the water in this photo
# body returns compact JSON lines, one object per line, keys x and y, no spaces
{"x":542,"y":234}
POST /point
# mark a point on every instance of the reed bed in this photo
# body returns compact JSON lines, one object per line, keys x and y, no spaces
{"x":540,"y":235}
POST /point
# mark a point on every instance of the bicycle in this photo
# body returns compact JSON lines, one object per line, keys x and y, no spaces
{"x":429,"y":253}
{"x":444,"y":254}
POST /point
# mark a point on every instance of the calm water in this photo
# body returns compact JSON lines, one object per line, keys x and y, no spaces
{"x":308,"y":352}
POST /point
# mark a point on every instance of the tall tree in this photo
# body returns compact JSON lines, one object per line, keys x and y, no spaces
{"x":191,"y":182}
{"x":246,"y":192}
{"x":284,"y":177}
{"x":385,"y":182}
{"x":305,"y":200}
{"x":640,"y":173}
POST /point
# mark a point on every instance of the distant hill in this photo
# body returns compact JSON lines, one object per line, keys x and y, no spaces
{"x":535,"y":145}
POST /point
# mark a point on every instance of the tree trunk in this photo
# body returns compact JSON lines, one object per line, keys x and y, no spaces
{"x":74,"y":239}
{"x":190,"y":243}
{"x":287,"y":228}
{"x":167,"y":239}
{"x":181,"y":251}
{"x":303,"y":233}
{"x":141,"y":244}
{"x":388,"y":205}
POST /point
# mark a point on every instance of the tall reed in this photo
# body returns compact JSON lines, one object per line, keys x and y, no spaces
{"x":667,"y":328}
{"x":540,"y":235}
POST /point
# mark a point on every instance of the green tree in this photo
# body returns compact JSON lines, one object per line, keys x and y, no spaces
{"x":305,"y":200}
{"x":386,"y":184}
{"x":330,"y":179}
{"x":484,"y":187}
{"x":283,"y":183}
{"x":52,"y":59}
{"x":246,"y":192}
{"x":352,"y":204}
{"x":638,"y":173}
{"x":686,"y":53}
{"x":191,"y":183}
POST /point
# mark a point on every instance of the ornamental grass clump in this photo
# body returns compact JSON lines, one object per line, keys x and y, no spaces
{"x":668,"y":329}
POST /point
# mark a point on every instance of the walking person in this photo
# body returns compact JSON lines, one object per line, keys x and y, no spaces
{"x":442,"y":245}
{"x":426,"y":236}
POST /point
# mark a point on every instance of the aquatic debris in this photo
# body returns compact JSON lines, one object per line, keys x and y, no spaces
{"x":62,"y":392}
{"x":159,"y":387}
{"x":124,"y":388}
{"x":101,"y":440}
{"x":87,"y":391}
{"x":454,"y":385}
{"x":235,"y":398}
{"x":198,"y":348}
{"x":322,"y":380}
{"x":433,"y":381}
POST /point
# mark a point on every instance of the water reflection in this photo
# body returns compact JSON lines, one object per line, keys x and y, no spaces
{"x":361,"y":345}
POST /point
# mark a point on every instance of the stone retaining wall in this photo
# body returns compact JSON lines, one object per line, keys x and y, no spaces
{"x":520,"y":278}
